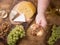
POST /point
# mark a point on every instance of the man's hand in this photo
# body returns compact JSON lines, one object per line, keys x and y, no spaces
{"x":40,"y":20}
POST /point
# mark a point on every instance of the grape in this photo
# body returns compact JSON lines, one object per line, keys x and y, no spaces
{"x":55,"y":35}
{"x":15,"y":34}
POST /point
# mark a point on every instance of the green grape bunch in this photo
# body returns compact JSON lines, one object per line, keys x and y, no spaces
{"x":55,"y":35}
{"x":15,"y":34}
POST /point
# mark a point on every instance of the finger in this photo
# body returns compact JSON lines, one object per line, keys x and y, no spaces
{"x":44,"y":25}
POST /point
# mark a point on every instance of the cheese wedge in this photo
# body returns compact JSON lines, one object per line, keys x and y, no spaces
{"x":20,"y":18}
{"x":25,"y":7}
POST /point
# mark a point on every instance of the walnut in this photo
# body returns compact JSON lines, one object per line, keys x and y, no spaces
{"x":4,"y":29}
{"x":36,"y":30}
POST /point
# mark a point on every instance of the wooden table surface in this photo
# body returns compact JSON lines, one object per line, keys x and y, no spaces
{"x":29,"y":40}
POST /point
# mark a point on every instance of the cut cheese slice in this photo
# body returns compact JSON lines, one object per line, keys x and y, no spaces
{"x":20,"y":18}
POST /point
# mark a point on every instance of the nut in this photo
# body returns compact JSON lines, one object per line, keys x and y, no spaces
{"x":4,"y":29}
{"x":36,"y":30}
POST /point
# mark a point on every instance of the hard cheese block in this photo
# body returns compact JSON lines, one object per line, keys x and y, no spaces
{"x":25,"y":7}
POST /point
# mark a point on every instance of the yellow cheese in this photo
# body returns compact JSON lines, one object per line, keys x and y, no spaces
{"x":27,"y":8}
